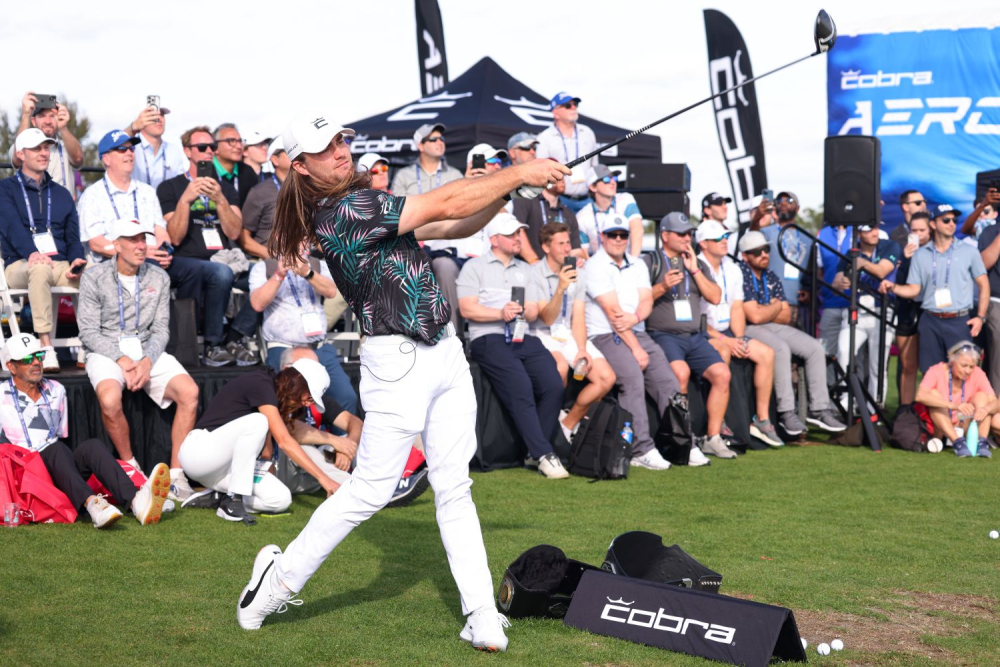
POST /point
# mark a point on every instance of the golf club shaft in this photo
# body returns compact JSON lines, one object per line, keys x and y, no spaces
{"x":678,"y":113}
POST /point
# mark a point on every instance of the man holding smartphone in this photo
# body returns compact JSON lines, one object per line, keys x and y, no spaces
{"x":52,"y":118}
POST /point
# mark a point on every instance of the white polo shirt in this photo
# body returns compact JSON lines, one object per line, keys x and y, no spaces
{"x":99,"y":206}
{"x":551,"y":143}
{"x":604,"y":275}
{"x":730,"y":279}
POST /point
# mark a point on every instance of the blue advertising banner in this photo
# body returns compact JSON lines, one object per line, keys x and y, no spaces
{"x":932,"y":97}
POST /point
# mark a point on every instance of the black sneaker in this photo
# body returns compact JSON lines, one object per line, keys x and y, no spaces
{"x":241,"y":352}
{"x":409,"y":488}
{"x":216,"y":355}
{"x":233,"y":509}
{"x":206,"y":499}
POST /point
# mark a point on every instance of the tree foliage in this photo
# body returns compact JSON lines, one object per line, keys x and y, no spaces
{"x":79,"y":126}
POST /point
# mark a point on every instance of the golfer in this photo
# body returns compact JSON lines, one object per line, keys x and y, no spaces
{"x":414,"y":378}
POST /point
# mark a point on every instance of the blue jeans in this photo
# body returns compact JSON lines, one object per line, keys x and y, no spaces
{"x":247,"y":319}
{"x":341,"y":389}
{"x":218,"y":282}
{"x":185,"y":277}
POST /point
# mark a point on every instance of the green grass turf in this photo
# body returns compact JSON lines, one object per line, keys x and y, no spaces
{"x":816,"y":529}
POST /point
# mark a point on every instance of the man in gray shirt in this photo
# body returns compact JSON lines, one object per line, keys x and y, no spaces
{"x":124,"y":320}
{"x":520,"y":369}
{"x":258,"y":210}
{"x":430,"y":170}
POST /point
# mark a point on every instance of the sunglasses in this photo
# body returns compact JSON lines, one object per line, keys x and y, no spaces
{"x":758,"y":252}
{"x":608,"y":179}
{"x":530,"y":148}
{"x":493,"y":160}
{"x":947,"y":219}
{"x":204,"y":148}
{"x":681,"y":233}
{"x":31,"y":358}
{"x":618,"y":236}
{"x":724,"y":237}
{"x":232,"y":141}
{"x":917,"y":202}
{"x":127,"y":148}
{"x":433,"y":140}
{"x":790,"y":200}
{"x":569,"y":105}
{"x":378,"y":169}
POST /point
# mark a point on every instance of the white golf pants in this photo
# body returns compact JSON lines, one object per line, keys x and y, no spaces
{"x":407,"y":389}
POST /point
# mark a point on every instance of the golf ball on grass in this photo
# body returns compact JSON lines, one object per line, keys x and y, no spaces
{"x":994,"y":535}
{"x":837,"y":645}
{"x":823,"y":649}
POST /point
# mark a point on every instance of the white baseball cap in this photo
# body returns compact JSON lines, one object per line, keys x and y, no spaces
{"x":126,"y":227}
{"x":503,"y":223}
{"x":254,"y":138}
{"x":486,"y":150}
{"x":614,"y":222}
{"x":311,"y":134}
{"x":710,"y":230}
{"x":31,"y":138}
{"x":276,"y":145}
{"x":368,"y":160}
{"x":751,"y":241}
{"x":316,"y":377}
{"x":20,"y":346}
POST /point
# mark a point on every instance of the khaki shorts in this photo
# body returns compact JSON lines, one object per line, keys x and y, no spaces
{"x":166,"y":368}
{"x":568,"y":348}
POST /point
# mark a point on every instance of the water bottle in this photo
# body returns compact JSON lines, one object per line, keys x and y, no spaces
{"x":627,"y":433}
{"x":972,"y":437}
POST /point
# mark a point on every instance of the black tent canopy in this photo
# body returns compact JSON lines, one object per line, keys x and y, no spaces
{"x":483,"y":105}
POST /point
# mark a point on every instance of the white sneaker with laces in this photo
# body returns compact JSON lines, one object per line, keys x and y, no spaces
{"x":180,"y":487}
{"x":651,"y":460}
{"x":102,"y":513}
{"x":697,"y":458}
{"x":550,"y":466}
{"x":264,"y":595}
{"x":484,"y":630}
{"x":51,"y":362}
{"x":147,"y":506}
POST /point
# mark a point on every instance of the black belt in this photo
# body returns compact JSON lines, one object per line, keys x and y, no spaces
{"x":948,"y":316}
{"x":579,"y":198}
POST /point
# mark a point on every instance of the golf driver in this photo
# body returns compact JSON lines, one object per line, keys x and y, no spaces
{"x":824,"y":35}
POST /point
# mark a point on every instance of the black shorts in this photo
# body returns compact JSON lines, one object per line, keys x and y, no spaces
{"x":907,"y":317}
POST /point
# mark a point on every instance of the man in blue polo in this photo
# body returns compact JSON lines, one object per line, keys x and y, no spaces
{"x":566,"y":140}
{"x":39,"y":234}
{"x":943,"y":273}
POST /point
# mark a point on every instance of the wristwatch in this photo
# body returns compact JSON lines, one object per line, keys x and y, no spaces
{"x":309,"y":276}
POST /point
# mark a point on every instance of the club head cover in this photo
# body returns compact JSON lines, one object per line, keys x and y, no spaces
{"x":641,"y":555}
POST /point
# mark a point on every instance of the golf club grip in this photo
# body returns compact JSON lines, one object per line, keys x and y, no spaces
{"x":581,"y":160}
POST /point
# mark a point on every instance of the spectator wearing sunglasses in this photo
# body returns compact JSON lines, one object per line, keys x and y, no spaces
{"x":378,"y":167}
{"x":566,"y":140}
{"x":768,"y":316}
{"x":40,"y":234}
{"x":493,"y":157}
{"x":984,"y":214}
{"x":619,"y":299}
{"x":156,"y":160}
{"x":201,"y":220}
{"x":910,"y":202}
{"x":522,"y":147}
{"x":944,"y":274}
{"x":607,"y":202}
{"x":229,"y":164}
{"x":430,"y":171}
{"x":793,"y":245}
{"x":715,"y":206}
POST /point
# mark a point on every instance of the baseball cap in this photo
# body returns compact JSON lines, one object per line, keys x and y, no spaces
{"x":941,"y":209}
{"x":424,"y":131}
{"x":368,"y":160}
{"x":317,"y":379}
{"x":32,"y":138}
{"x":788,"y":193}
{"x":20,"y":346}
{"x":868,"y":228}
{"x":522,"y":140}
{"x":311,"y":133}
{"x":486,"y":150}
{"x":752,"y":241}
{"x":113,"y":140}
{"x":276,"y":145}
{"x":503,"y":223}
{"x":125,"y":227}
{"x":614,"y":222}
{"x":254,"y":138}
{"x":561,"y":98}
{"x":713,"y":198}
{"x":711,"y":230}
{"x":676,"y":222}
{"x":595,"y":174}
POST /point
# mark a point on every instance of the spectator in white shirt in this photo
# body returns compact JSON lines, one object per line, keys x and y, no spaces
{"x":156,"y":160}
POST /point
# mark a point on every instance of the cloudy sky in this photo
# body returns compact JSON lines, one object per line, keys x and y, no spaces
{"x":631,"y":62}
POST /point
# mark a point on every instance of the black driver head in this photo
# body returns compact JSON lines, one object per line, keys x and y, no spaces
{"x":825,"y":34}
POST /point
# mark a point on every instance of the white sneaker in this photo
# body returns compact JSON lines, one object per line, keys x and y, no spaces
{"x":550,"y":466}
{"x":147,"y":506}
{"x":180,"y":487}
{"x":264,"y":595}
{"x":651,"y":460}
{"x":484,"y":630}
{"x":51,"y":362}
{"x":716,"y":446}
{"x":697,"y":458}
{"x":934,"y":445}
{"x":135,"y":464}
{"x":102,"y":513}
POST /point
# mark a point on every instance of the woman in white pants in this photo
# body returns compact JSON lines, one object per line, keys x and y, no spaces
{"x":222,"y":451}
{"x":415,"y":379}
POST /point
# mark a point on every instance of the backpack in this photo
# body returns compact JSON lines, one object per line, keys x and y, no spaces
{"x":600,"y":450}
{"x":912,"y":428}
{"x":674,"y":437}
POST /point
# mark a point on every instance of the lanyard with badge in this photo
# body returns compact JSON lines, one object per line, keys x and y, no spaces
{"x":756,"y":288}
{"x":129,"y":344}
{"x":723,"y":310}
{"x":277,"y":183}
{"x":543,"y":205}
{"x":63,"y":161}
{"x":682,"y":307}
{"x":795,"y":254}
{"x":942,"y":296}
{"x":951,"y":391}
{"x":312,"y":323}
{"x":149,"y":171}
{"x":209,"y":232}
{"x":16,"y":399}
{"x":577,"y":175}
{"x":560,"y":328}
{"x":45,"y":243}
{"x":420,"y":185}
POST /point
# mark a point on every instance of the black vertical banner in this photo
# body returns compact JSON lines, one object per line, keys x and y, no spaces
{"x":736,"y":117}
{"x":430,"y":48}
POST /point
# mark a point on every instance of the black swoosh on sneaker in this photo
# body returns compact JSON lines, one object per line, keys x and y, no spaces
{"x":251,"y":594}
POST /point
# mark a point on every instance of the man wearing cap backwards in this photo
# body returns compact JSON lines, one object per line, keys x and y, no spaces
{"x":522,"y":147}
{"x":415,"y":378}
{"x":943,"y":273}
{"x":603,"y":185}
{"x":715,"y":207}
{"x":877,"y":262}
{"x":255,"y":154}
{"x":33,"y":415}
{"x":768,"y":316}
{"x":40,"y":234}
{"x":794,"y":245}
{"x":566,"y":140}
{"x":124,"y":319}
{"x":378,"y":167}
{"x":675,"y":324}
{"x":727,"y":325}
{"x":619,"y":299}
{"x":156,"y":160}
{"x":430,"y":171}
{"x":520,"y":369}
{"x":53,"y":121}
